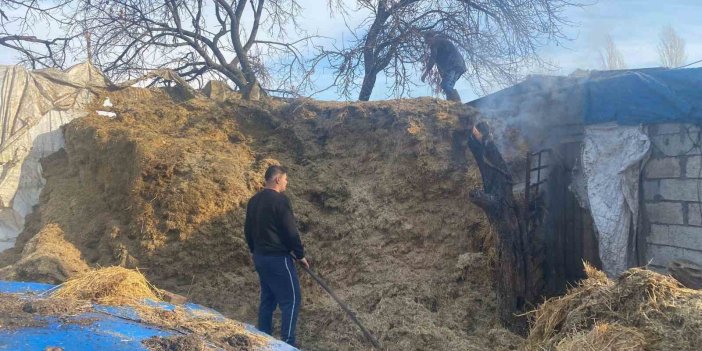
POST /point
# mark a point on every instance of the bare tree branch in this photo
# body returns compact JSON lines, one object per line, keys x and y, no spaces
{"x":18,"y":19}
{"x":195,"y":38}
{"x":497,"y":38}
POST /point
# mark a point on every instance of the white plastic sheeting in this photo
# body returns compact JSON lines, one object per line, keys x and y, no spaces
{"x":612,"y":159}
{"x":33,"y":107}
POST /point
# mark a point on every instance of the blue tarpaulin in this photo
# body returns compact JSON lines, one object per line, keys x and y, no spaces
{"x":107,"y":328}
{"x":627,"y":97}
{"x":653,"y":95}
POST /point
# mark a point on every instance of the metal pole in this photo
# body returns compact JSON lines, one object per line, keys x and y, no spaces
{"x":346,"y":309}
{"x":527,"y":189}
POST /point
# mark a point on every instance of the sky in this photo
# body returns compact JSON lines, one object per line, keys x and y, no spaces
{"x":634,"y":26}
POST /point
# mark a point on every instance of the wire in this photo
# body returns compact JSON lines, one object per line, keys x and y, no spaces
{"x":689,"y":64}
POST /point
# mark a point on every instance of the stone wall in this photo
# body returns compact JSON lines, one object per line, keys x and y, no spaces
{"x":672,"y":195}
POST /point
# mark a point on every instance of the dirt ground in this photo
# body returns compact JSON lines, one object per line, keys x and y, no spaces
{"x":380,"y":191}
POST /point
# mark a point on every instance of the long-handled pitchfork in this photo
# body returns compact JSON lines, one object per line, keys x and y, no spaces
{"x":346,"y":309}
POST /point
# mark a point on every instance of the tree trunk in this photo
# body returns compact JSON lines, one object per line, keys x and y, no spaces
{"x":370,"y":56}
{"x":367,"y":86}
{"x":245,"y":80}
{"x":514,"y":274}
{"x":252,"y":91}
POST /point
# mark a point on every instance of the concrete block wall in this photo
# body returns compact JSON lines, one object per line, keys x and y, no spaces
{"x":672,"y":195}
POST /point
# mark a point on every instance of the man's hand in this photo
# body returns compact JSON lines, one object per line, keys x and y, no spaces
{"x":304,"y":262}
{"x":477,"y":135}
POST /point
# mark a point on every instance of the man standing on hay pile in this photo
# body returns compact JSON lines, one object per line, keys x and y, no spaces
{"x":448,"y":60}
{"x":274,"y":241}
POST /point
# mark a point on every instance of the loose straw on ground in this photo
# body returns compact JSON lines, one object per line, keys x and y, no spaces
{"x":109,"y":286}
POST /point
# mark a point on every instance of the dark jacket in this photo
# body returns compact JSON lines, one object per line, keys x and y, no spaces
{"x":270,"y":228}
{"x":446,"y":56}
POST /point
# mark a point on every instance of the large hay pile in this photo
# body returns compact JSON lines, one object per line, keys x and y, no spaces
{"x":641,"y":310}
{"x":379,"y":189}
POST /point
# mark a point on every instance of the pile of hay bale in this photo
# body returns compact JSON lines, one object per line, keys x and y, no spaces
{"x":641,"y":310}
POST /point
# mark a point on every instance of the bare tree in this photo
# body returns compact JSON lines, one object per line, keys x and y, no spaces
{"x":197,"y":38}
{"x":245,"y":41}
{"x":671,"y":48}
{"x":497,"y":38}
{"x":19,"y":20}
{"x":611,"y":57}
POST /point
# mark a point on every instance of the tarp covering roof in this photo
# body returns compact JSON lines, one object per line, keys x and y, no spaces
{"x":644,"y":96}
{"x":627,"y":97}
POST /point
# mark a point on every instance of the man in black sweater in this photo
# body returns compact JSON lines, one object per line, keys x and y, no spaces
{"x":275,"y":243}
{"x":448,"y":60}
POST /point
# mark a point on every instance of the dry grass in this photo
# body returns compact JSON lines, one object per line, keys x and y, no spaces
{"x":604,"y":337}
{"x":109,"y":286}
{"x":641,"y":310}
{"x":47,"y":257}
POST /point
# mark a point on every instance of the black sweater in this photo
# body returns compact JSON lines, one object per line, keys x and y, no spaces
{"x":446,"y":56}
{"x":270,"y":225}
